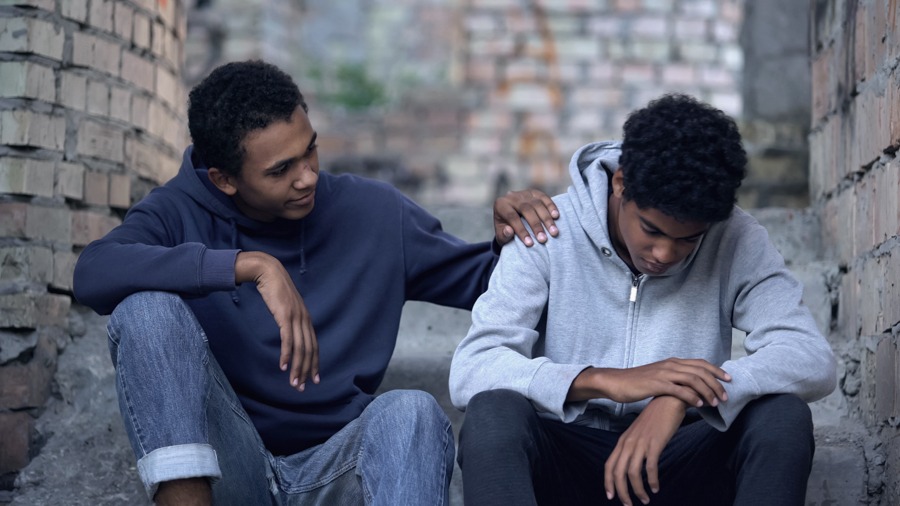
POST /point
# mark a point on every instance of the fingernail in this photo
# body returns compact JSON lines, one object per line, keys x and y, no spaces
{"x":294,"y":381}
{"x":284,"y":367}
{"x":542,"y":237}
{"x":302,"y":387}
{"x":645,"y":501}
{"x":655,"y":490}
{"x":554,"y":230}
{"x":316,"y":379}
{"x":555,"y":214}
{"x":715,"y":402}
{"x":700,"y":404}
{"x":609,"y":495}
{"x":528,"y":241}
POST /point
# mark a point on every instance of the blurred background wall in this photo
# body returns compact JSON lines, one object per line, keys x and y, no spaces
{"x":454,"y":101}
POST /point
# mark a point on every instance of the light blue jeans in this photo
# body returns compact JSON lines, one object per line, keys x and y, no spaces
{"x":184,"y":421}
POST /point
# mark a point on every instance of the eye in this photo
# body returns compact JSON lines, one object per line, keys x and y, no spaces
{"x":650,"y":232}
{"x":279,"y":171}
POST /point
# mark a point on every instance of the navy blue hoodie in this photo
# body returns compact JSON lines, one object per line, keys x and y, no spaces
{"x":361,"y":253}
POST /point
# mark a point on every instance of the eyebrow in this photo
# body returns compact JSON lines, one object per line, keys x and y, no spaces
{"x":654,"y":228}
{"x":281,"y":163}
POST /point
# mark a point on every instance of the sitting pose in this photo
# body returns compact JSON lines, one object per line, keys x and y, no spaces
{"x":598,"y":366}
{"x":232,"y":286}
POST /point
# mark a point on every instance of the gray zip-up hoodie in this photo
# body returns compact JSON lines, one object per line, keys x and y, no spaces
{"x":590,"y":310}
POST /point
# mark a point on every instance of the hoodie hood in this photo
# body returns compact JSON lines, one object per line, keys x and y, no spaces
{"x":591,"y":168}
{"x":193,"y":180}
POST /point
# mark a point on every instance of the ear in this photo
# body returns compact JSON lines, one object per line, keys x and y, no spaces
{"x":618,"y":183}
{"x":223,"y":181}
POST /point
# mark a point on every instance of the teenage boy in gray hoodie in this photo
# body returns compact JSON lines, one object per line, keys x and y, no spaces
{"x":597,"y":369}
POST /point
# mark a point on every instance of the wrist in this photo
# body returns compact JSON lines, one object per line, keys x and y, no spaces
{"x":249,"y":266}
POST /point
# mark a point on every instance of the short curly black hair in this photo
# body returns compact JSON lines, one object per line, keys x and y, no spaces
{"x":683,"y":158}
{"x":232,"y":101}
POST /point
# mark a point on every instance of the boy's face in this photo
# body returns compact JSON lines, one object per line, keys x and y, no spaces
{"x":649,"y":241}
{"x":280,"y":171}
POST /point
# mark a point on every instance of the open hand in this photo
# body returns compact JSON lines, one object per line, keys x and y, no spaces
{"x":639,"y":449}
{"x":298,"y":338}
{"x":534,"y":206}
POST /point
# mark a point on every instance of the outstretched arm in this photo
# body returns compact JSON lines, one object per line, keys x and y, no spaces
{"x":534,"y":206}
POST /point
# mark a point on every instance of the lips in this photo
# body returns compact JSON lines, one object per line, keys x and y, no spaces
{"x":655,"y":268}
{"x":302,"y":201}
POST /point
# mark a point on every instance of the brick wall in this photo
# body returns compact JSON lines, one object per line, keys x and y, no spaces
{"x":91,"y":117}
{"x":548,"y":77}
{"x":855,"y":186}
{"x":483,"y":94}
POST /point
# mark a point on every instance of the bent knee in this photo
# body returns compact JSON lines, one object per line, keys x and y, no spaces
{"x":781,"y":421}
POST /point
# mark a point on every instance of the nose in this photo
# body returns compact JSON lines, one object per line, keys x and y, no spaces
{"x":306,"y":177}
{"x":664,"y":252}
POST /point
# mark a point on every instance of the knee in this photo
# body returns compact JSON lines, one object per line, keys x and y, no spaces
{"x":498,"y":407}
{"x":149,"y":305}
{"x":498,"y":415}
{"x":148,"y":319}
{"x":781,"y":423}
{"x":411,"y":408}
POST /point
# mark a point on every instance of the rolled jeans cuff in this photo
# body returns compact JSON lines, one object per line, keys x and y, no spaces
{"x":176,"y":463}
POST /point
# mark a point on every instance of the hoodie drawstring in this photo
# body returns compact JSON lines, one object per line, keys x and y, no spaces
{"x":234,"y":239}
{"x":302,"y":252}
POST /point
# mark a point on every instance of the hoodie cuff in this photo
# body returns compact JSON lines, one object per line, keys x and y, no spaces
{"x":217,"y":269}
{"x":741,"y":390}
{"x":550,"y":386}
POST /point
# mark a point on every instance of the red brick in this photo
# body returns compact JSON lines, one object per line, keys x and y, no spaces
{"x":12,"y":219}
{"x":28,"y":385}
{"x":15,"y":440}
{"x":88,"y":226}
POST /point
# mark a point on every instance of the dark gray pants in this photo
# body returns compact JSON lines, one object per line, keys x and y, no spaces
{"x":509,"y":455}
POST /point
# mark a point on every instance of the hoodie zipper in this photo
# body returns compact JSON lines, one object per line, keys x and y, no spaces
{"x":635,"y":281}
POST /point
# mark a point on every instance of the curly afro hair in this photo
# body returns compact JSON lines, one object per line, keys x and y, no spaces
{"x":684,"y":158}
{"x":232,"y":101}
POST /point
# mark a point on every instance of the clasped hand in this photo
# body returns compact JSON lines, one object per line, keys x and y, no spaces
{"x":674,"y":385}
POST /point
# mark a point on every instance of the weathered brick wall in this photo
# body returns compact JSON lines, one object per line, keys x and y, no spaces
{"x":483,"y":94}
{"x":91,"y":117}
{"x":548,"y":77}
{"x":855,"y":186}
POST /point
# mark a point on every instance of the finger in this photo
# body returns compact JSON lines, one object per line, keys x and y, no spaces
{"x":307,"y":358}
{"x":652,"y":468}
{"x":314,"y":368}
{"x":548,"y":202}
{"x":538,"y":218}
{"x":609,"y":482}
{"x":686,"y":394}
{"x":297,"y":380}
{"x":636,"y":478}
{"x":553,"y":211}
{"x":287,"y":345}
{"x":621,"y":480}
{"x":506,"y":217}
{"x":701,"y":385}
{"x":716,"y":371}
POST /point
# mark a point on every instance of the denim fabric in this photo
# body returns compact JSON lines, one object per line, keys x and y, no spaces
{"x":184,"y":420}
{"x":511,"y":455}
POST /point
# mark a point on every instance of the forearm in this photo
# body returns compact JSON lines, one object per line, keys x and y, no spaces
{"x":590,"y":384}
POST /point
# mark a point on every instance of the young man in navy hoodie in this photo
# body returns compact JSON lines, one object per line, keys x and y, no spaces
{"x":233,"y":285}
